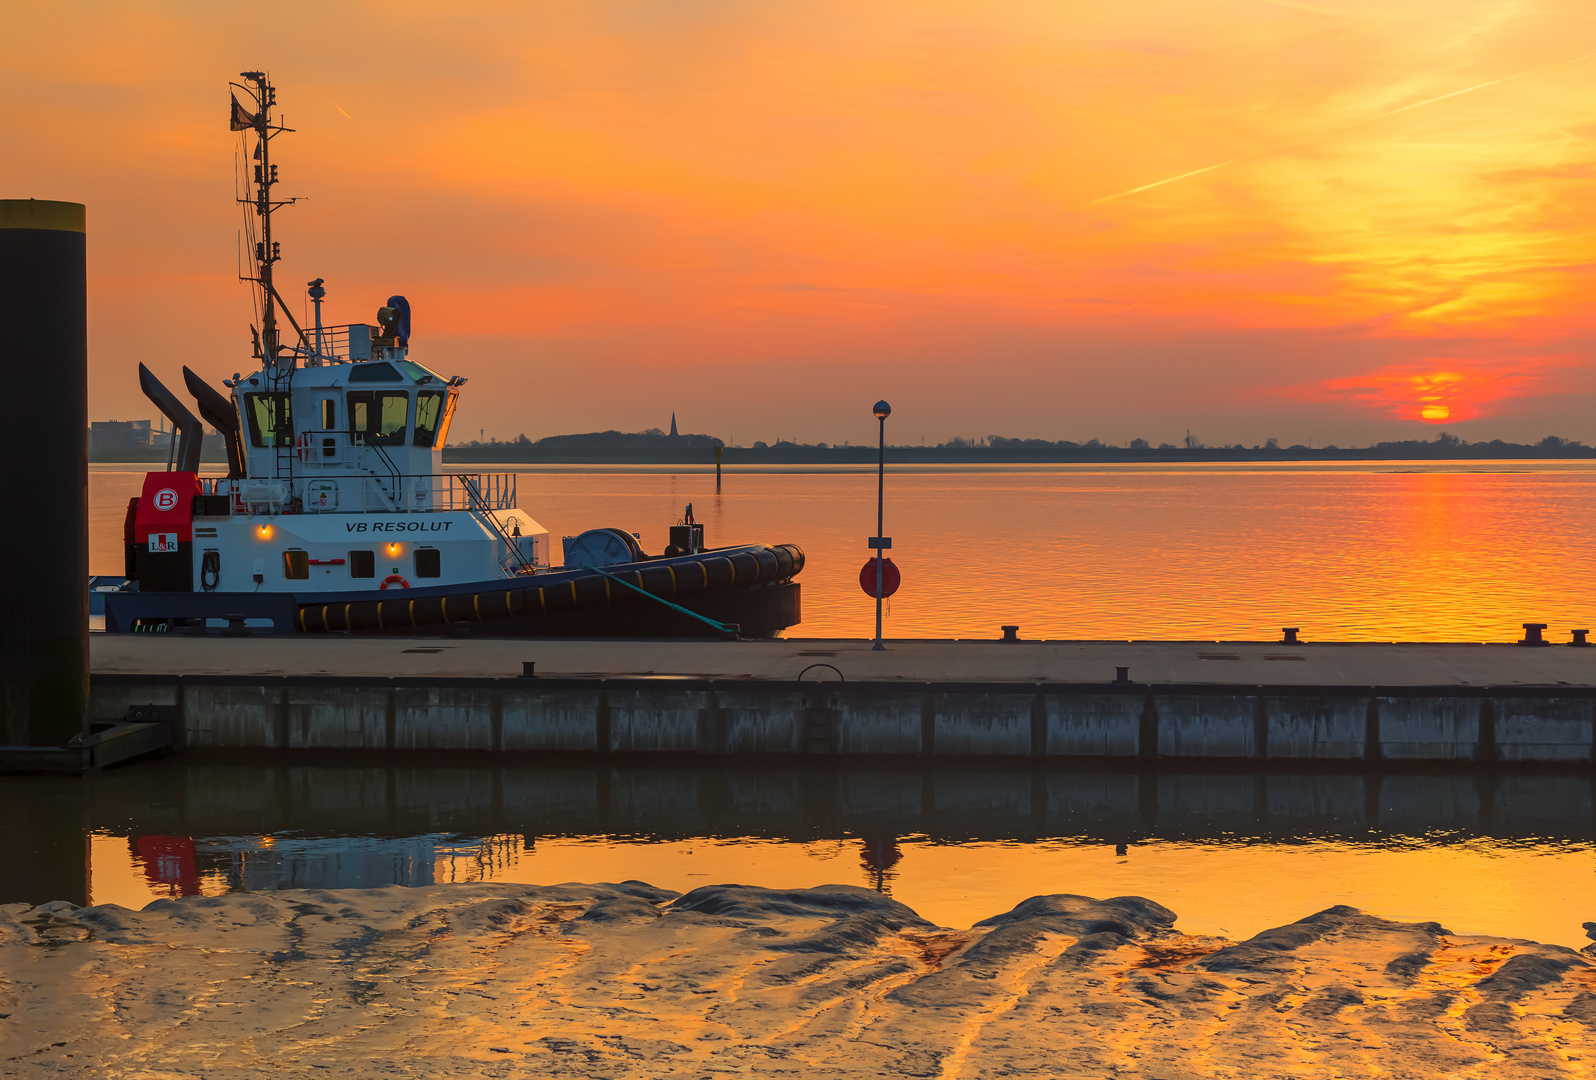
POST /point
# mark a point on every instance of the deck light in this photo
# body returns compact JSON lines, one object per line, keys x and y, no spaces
{"x":393,"y":549}
{"x":265,"y":532}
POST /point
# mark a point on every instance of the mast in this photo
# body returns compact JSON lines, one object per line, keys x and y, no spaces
{"x":278,"y":362}
{"x":259,"y":199}
{"x":266,"y":250}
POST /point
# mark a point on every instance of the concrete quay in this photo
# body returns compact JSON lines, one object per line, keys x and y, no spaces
{"x":1181,"y":702}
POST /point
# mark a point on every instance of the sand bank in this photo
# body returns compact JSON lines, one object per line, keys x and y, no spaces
{"x":629,"y":980}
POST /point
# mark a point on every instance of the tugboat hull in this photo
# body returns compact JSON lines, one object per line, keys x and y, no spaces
{"x":749,"y":588}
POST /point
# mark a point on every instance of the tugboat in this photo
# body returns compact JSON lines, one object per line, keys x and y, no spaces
{"x":336,"y":515}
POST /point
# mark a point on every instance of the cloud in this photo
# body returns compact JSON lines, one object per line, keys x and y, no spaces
{"x":1310,"y":138}
{"x":1438,"y":389}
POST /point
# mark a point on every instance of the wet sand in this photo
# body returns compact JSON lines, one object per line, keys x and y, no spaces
{"x":630,"y":980}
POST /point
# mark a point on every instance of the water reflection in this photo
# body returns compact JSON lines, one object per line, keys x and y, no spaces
{"x":1482,"y":852}
{"x":183,"y":866}
{"x":878,"y":855}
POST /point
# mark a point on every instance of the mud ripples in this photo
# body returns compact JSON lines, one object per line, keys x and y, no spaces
{"x":629,"y":980}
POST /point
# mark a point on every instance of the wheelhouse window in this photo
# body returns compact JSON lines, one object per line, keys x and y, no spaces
{"x":296,"y":565}
{"x":381,"y":371}
{"x":362,"y":564}
{"x":329,"y":414}
{"x":428,"y":563}
{"x":270,"y":419}
{"x":377,"y":417}
{"x":429,"y":411}
{"x":448,"y":415}
{"x":419,"y":373}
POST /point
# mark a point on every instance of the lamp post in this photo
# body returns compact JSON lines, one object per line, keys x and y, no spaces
{"x":879,"y":542}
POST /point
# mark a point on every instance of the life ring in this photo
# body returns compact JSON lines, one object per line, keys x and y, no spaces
{"x":303,"y":445}
{"x":394,"y":579}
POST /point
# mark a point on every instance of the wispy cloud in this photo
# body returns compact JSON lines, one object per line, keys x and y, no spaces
{"x":1333,"y":129}
{"x":1438,"y":390}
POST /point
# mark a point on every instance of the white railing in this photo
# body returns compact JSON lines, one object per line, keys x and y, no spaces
{"x":368,"y":493}
{"x":351,"y":343}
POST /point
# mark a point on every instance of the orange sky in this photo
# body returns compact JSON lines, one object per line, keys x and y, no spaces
{"x":767,"y":214}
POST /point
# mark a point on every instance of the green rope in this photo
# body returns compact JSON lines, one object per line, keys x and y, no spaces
{"x":729,"y":629}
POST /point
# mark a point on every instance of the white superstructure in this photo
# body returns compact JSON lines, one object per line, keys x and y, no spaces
{"x":344,"y":486}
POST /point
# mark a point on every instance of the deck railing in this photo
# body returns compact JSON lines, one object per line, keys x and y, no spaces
{"x":350,"y":343}
{"x":368,"y":493}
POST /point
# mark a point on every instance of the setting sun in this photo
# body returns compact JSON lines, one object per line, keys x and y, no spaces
{"x":1435,"y":412}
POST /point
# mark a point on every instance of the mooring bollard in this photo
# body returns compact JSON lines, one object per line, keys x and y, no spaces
{"x":1532,"y":634}
{"x":1579,"y":641}
{"x":1011,"y":633}
{"x":1122,"y":674}
{"x":1291,"y":635}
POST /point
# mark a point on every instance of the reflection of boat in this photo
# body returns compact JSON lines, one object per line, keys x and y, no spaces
{"x":168,"y":863}
{"x":336,"y":514}
{"x":289,"y":861}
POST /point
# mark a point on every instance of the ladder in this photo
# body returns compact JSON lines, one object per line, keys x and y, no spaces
{"x":280,"y":381}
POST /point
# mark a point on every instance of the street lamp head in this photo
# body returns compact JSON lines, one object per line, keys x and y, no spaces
{"x":882,"y":410}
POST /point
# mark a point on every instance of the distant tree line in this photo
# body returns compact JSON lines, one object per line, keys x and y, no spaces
{"x":1445,"y":445}
{"x":655,"y":445}
{"x":599,"y":440}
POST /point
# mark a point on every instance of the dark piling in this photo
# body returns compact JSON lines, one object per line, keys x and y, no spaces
{"x":44,"y":552}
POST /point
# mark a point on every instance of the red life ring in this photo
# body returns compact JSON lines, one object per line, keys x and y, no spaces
{"x":394,"y":579}
{"x":303,"y":446}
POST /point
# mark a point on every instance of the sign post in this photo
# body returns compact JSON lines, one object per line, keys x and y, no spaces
{"x":879,"y":542}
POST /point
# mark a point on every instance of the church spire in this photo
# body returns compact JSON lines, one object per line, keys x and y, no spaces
{"x":673,"y":423}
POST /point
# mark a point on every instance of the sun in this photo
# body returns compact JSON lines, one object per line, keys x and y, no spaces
{"x":1435,"y":412}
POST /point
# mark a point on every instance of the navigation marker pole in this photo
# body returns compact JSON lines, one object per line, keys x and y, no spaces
{"x":879,"y":542}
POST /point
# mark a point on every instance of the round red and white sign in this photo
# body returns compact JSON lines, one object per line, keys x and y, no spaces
{"x":165,"y":499}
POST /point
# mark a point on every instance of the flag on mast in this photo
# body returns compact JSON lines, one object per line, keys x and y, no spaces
{"x":242,"y":119}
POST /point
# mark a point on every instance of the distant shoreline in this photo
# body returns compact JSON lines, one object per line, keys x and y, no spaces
{"x":937,"y":455}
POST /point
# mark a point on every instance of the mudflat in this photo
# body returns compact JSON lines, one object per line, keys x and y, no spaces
{"x":628,"y":980}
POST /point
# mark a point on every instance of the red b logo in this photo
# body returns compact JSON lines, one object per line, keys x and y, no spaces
{"x":165,"y":499}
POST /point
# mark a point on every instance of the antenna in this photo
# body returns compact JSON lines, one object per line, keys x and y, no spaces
{"x":318,"y":292}
{"x":260,"y":201}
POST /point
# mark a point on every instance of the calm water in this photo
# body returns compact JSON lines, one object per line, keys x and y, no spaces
{"x":1367,"y":551}
{"x":1361,"y":552}
{"x":1231,"y":853}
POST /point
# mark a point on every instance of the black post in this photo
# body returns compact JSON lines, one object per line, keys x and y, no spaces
{"x":882,"y":411}
{"x":44,"y":548}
